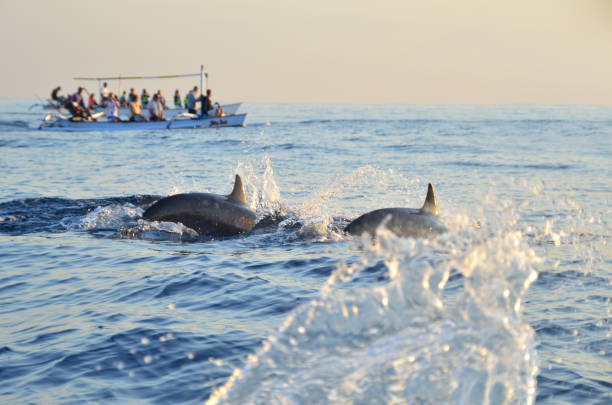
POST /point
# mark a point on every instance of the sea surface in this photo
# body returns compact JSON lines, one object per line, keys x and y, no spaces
{"x":512,"y":306}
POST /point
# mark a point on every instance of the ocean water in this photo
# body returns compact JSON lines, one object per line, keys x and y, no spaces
{"x":512,"y":306}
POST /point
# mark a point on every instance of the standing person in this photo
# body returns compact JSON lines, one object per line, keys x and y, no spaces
{"x":144,"y":97}
{"x":112,"y":108}
{"x":156,"y":111}
{"x":192,"y":98}
{"x":207,"y":105}
{"x":135,"y":114}
{"x":177,"y":99}
{"x":162,"y":99}
{"x":123,"y":101}
{"x":133,"y":95}
{"x":104,"y":93}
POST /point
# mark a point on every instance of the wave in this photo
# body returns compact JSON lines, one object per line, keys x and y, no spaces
{"x":17,"y":124}
{"x":542,"y":166}
{"x":403,"y":120}
{"x":52,"y":214}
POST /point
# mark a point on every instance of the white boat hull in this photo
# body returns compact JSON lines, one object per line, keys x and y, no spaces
{"x":62,"y":124}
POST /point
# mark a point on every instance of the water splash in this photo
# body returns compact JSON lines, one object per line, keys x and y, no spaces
{"x":443,"y":326}
{"x":111,"y":216}
{"x":314,"y":215}
{"x":125,"y":220}
{"x":263,"y":194}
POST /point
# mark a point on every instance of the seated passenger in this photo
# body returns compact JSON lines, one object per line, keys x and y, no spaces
{"x":177,"y":99}
{"x":156,"y":111}
{"x":55,"y":95}
{"x":91,"y":103}
{"x":135,"y":114}
{"x":76,"y":105}
{"x":133,"y":95}
{"x":112,"y":108}
{"x":57,"y":100}
{"x":219,"y":112}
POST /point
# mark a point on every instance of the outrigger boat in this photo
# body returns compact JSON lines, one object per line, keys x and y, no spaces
{"x":229,"y":109}
{"x":178,"y":118}
{"x":50,"y":104}
{"x":60,"y":122}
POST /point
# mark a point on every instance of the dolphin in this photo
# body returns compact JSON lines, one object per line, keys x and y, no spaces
{"x":415,"y":222}
{"x":207,"y":214}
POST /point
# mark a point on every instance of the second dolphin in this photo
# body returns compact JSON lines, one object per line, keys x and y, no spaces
{"x":415,"y":222}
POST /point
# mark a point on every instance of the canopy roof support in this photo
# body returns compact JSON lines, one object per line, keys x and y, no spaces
{"x":120,"y":78}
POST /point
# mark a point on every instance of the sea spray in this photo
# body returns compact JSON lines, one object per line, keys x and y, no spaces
{"x":444,"y":326}
{"x":111,"y":216}
{"x":262,"y":192}
{"x":322,"y":218}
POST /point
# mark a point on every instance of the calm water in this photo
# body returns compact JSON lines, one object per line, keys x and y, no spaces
{"x":513,"y":306}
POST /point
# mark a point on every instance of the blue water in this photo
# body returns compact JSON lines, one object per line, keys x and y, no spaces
{"x":512,"y":306}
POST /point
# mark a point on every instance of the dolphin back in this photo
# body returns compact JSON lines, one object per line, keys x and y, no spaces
{"x":237,"y":195}
{"x":405,"y":222}
{"x":207,"y":214}
{"x":417,"y":223}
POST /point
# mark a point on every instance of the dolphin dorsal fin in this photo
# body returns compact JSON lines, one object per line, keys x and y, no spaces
{"x":237,"y":194}
{"x":430,"y":205}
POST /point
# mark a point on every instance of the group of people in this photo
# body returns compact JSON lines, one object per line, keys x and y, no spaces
{"x":154,"y":105}
{"x":206,"y":103}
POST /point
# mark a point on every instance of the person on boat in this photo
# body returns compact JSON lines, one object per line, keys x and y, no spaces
{"x":55,"y":95}
{"x":133,"y":95}
{"x":112,"y":108}
{"x":186,"y":100}
{"x":162,"y":99}
{"x":123,"y":100}
{"x":177,"y":99}
{"x":104,"y":93}
{"x":135,"y":114}
{"x":144,"y":97}
{"x":156,"y":111}
{"x":91,"y":102}
{"x":192,"y":98}
{"x":207,"y":105}
{"x":76,"y":105}
{"x":58,"y":100}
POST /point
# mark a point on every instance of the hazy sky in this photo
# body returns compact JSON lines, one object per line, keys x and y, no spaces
{"x":349,"y":51}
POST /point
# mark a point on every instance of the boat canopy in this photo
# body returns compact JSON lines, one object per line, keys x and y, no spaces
{"x":110,"y":78}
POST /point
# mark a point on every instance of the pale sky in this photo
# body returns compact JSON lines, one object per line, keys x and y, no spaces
{"x":339,"y":51}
